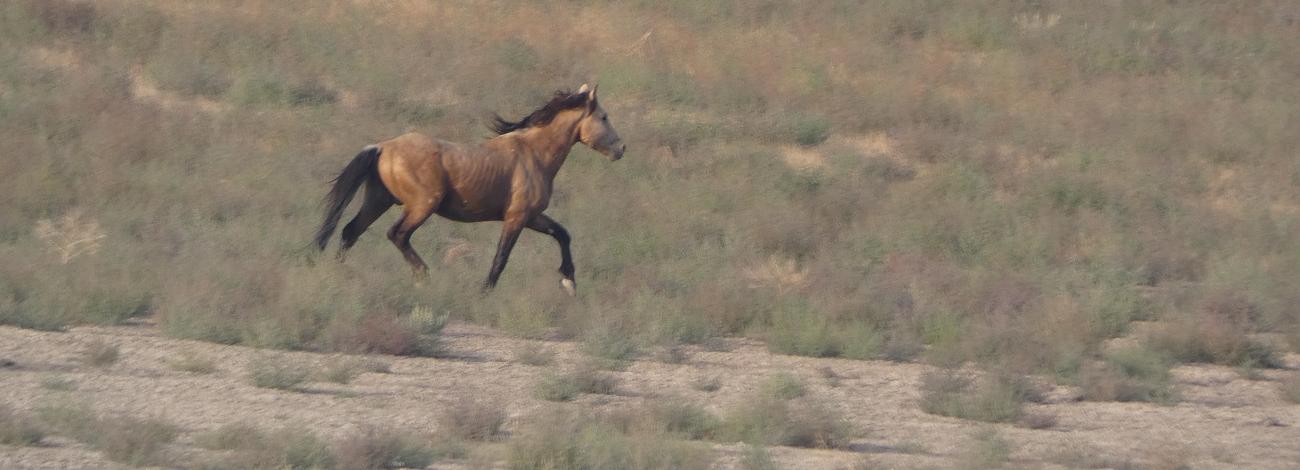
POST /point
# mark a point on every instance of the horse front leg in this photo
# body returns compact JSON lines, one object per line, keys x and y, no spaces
{"x":510,"y":229}
{"x":549,"y":226}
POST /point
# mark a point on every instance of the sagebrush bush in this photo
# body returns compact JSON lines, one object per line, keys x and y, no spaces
{"x":277,"y":372}
{"x":471,"y":419}
{"x":993,"y":398}
{"x":1131,"y":374}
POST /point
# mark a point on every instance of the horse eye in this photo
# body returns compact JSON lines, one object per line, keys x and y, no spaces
{"x":604,"y":118}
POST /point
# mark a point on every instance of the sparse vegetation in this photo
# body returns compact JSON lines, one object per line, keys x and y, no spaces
{"x":474,"y":420}
{"x":784,"y":386}
{"x":987,"y":449}
{"x":375,"y":449}
{"x":100,"y":353}
{"x":193,"y":363}
{"x":290,"y":447}
{"x":59,"y":384}
{"x":1131,"y":374}
{"x":1290,"y":388}
{"x":708,"y":384}
{"x":994,"y":398}
{"x":802,"y":422}
{"x":341,"y":371}
{"x":277,"y":372}
{"x":126,"y":439}
{"x":558,"y":439}
{"x":565,"y":387}
{"x":534,"y":355}
{"x":17,"y":429}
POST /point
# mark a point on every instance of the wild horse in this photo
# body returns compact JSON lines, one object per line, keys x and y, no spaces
{"x":507,"y":178}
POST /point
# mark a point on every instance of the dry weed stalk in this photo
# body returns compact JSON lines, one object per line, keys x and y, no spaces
{"x":70,"y":236}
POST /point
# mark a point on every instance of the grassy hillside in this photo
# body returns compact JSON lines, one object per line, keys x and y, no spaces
{"x":1005,"y":182}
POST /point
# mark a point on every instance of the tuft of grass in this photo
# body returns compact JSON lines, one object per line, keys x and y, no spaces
{"x":381,"y":448}
{"x":997,"y":398}
{"x":672,"y":354}
{"x":341,"y":371}
{"x":277,"y":373}
{"x":707,"y":384}
{"x":610,"y":348}
{"x":99,"y":353}
{"x":289,"y":447}
{"x":134,"y":441}
{"x":685,"y":420}
{"x":1131,"y":374}
{"x":18,"y":429}
{"x":1039,"y":420}
{"x":565,"y":387}
{"x":987,"y":449}
{"x":125,"y":439}
{"x":61,"y":384}
{"x":801,"y":422}
{"x":193,"y":363}
{"x":71,"y":419}
{"x":473,"y":420}
{"x":559,"y":440}
{"x":556,"y":387}
{"x":534,"y":355}
{"x":756,"y":457}
{"x":1289,"y":387}
{"x":784,"y":386}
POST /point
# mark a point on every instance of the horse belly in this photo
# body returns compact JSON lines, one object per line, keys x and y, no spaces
{"x":456,"y":207}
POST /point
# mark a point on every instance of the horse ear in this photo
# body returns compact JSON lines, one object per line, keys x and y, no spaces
{"x":591,"y":98}
{"x":583,"y":89}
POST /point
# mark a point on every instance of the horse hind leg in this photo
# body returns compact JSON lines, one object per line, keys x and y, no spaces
{"x":400,"y":234}
{"x":377,"y":201}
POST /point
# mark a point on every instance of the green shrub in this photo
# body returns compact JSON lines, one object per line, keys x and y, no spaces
{"x":277,"y":373}
{"x":1132,"y":374}
{"x":996,"y":398}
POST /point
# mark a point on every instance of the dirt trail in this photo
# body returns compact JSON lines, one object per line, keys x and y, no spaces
{"x":1225,"y":421}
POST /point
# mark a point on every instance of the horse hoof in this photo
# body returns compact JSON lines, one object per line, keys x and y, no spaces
{"x":569,"y":287}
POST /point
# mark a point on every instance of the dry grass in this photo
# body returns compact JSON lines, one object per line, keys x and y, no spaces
{"x":1289,"y":387}
{"x":1004,"y":183}
{"x":100,"y":353}
{"x":193,"y":363}
{"x":557,"y":439}
{"x":534,"y":355}
{"x":277,"y":373}
{"x":474,"y":420}
{"x":374,"y":449}
{"x":17,"y":429}
{"x":567,"y":386}
{"x":125,"y":439}
{"x":288,"y":447}
{"x":993,"y":398}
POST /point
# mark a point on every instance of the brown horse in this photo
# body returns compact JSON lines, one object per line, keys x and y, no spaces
{"x":506,"y":178}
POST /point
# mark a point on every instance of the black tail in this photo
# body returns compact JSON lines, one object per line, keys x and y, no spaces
{"x":362,"y":167}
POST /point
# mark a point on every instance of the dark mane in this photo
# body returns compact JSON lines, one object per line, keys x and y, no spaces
{"x":562,"y":100}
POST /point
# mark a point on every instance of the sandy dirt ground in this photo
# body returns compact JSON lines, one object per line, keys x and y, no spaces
{"x":1223,"y":421}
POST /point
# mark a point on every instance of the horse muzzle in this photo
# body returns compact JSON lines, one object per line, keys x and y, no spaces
{"x":616,"y":153}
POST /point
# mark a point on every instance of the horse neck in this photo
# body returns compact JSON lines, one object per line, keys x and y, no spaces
{"x":553,"y":141}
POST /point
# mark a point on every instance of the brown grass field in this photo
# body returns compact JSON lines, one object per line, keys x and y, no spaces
{"x":846,"y":234}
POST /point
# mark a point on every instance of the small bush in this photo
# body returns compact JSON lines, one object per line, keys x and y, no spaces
{"x":566,"y":387}
{"x":612,"y":347}
{"x":1212,"y":339}
{"x":1290,"y":388}
{"x":75,"y":420}
{"x":373,"y":449}
{"x":61,"y":384}
{"x":17,"y":429}
{"x":193,"y":363}
{"x":997,"y":398}
{"x":287,"y":448}
{"x":1133,"y":374}
{"x":1037,"y":420}
{"x":134,"y":441}
{"x":473,"y":420}
{"x":558,"y":440}
{"x":987,"y":449}
{"x":534,"y":355}
{"x":684,"y":419}
{"x":230,"y":436}
{"x":341,"y":372}
{"x":756,"y":457}
{"x":784,"y":386}
{"x":708,"y":384}
{"x":100,"y":354}
{"x":277,"y":373}
{"x":799,"y":423}
{"x":556,"y":387}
